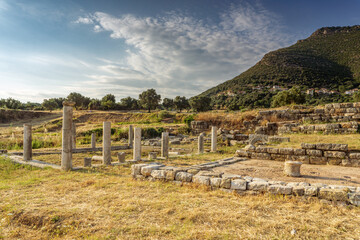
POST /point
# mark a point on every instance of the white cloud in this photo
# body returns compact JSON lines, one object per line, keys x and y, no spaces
{"x":3,"y":5}
{"x":184,"y":55}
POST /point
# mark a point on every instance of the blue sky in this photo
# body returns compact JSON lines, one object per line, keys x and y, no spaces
{"x":51,"y":48}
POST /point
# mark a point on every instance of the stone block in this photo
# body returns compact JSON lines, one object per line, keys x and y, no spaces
{"x":286,"y":151}
{"x":311,"y":191}
{"x":298,"y":190}
{"x":303,"y":159}
{"x":280,"y":189}
{"x":308,"y":146}
{"x":261,"y":150}
{"x":201,"y":180}
{"x":299,"y":151}
{"x":238,"y":184}
{"x":158,"y":174}
{"x":262,"y":156}
{"x":215,"y":182}
{"x":312,"y":152}
{"x":318,"y":160}
{"x":277,"y":183}
{"x":225,"y":183}
{"x":258,"y":186}
{"x":278,"y":157}
{"x":273,"y":150}
{"x":136,"y":169}
{"x":354,"y":198}
{"x":146,"y":171}
{"x":339,"y":147}
{"x":324,"y":146}
{"x":354,"y":155}
{"x":242,"y":153}
{"x":334,"y":154}
{"x":170,"y":175}
{"x":231,"y":176}
{"x":333,"y":194}
{"x":347,"y":162}
{"x":334,"y":161}
{"x":183,"y":176}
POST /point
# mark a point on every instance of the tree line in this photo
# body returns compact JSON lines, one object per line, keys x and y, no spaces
{"x":148,"y":100}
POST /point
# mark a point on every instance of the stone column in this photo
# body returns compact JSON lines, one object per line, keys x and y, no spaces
{"x":137,"y":144}
{"x":131,"y":136}
{"x":201,"y":143}
{"x":27,"y":145}
{"x":93,"y":140}
{"x":292,"y":168}
{"x":106,"y":152}
{"x":213,"y":138}
{"x":73,"y":136}
{"x":165,"y":144}
{"x":87,"y":162}
{"x":66,"y":153}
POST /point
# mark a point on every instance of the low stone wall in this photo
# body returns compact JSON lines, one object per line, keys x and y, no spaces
{"x":320,"y":153}
{"x":202,"y":175}
{"x":330,"y":128}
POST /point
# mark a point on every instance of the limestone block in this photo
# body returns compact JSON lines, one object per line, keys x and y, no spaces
{"x":170,"y":175}
{"x":225,"y":183}
{"x":311,"y":191}
{"x":277,"y":183}
{"x":299,"y":152}
{"x":146,"y":170}
{"x":201,"y":180}
{"x":212,"y":174}
{"x":298,"y":190}
{"x":258,"y":180}
{"x":354,"y":155}
{"x":304,"y":159}
{"x":334,"y":154}
{"x":258,"y":186}
{"x":215,"y":182}
{"x":347,"y":162}
{"x":273,"y":150}
{"x":292,"y":168}
{"x":324,"y":146}
{"x":121,"y":156}
{"x":87,"y":162}
{"x":333,"y":194}
{"x":339,"y":147}
{"x":261,"y":150}
{"x":242,"y":153}
{"x":136,"y":169}
{"x":334,"y":161}
{"x":280,"y":189}
{"x":193,"y":170}
{"x":263,"y":156}
{"x":318,"y":160}
{"x":354,"y":198}
{"x":278,"y":157}
{"x":238,"y":184}
{"x":308,"y":146}
{"x":286,"y":151}
{"x":312,"y":152}
{"x":183,"y":176}
{"x":158,"y":174}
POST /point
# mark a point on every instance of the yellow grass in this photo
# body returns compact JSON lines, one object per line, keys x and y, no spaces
{"x":107,"y":204}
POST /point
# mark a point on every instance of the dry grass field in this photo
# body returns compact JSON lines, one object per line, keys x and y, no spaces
{"x":105,"y":203}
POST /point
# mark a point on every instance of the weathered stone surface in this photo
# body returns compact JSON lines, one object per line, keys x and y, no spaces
{"x":311,"y":191}
{"x":231,"y":176}
{"x":210,"y":174}
{"x":242,"y":153}
{"x":339,"y":147}
{"x":318,"y":160}
{"x":136,"y":169}
{"x":258,"y":180}
{"x":277,"y":183}
{"x":334,"y":161}
{"x":193,"y":171}
{"x":215,"y":182}
{"x":334,"y":154}
{"x":354,"y":155}
{"x":158,"y":174}
{"x":299,"y":152}
{"x":146,"y":170}
{"x":170,"y":175}
{"x":324,"y":146}
{"x":273,"y":150}
{"x":201,"y":180}
{"x":121,"y":156}
{"x":316,"y":153}
{"x":183,"y":176}
{"x":225,"y":183}
{"x":292,"y":168}
{"x":278,"y":157}
{"x":333,"y":194}
{"x":280,"y":189}
{"x":303,"y":159}
{"x":308,"y":146}
{"x":263,"y":156}
{"x":354,"y":198}
{"x":286,"y":151}
{"x":261,"y":150}
{"x":258,"y":186}
{"x":298,"y":190}
{"x":238,"y":184}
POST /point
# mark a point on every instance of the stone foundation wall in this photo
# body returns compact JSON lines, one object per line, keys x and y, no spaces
{"x":321,"y":154}
{"x":202,"y":175}
{"x":330,"y":128}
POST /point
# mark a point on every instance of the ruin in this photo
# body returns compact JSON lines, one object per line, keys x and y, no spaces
{"x":27,"y":146}
{"x":106,"y":152}
{"x":66,"y":155}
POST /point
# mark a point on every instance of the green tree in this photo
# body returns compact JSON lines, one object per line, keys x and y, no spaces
{"x":149,"y":99}
{"x":108,"y":102}
{"x":181,"y":103}
{"x":129,"y":103}
{"x":200,"y":103}
{"x":79,"y":100}
{"x":356,"y":96}
{"x":168,"y":103}
{"x":50,"y":104}
{"x":292,"y":96}
{"x":95,"y":104}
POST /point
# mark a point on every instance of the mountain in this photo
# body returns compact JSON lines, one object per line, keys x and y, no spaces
{"x":329,"y":58}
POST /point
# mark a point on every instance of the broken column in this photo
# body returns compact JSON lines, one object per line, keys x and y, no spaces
{"x":73,"y":136}
{"x":201,"y":143}
{"x":106,"y":152}
{"x":292,"y":168}
{"x":121,"y":157}
{"x":152,"y":155}
{"x":87,"y":162}
{"x":137,"y":144}
{"x":165,"y":144}
{"x":131,"y":136}
{"x":27,"y":145}
{"x":93,"y":140}
{"x":213,"y":138}
{"x":66,"y":153}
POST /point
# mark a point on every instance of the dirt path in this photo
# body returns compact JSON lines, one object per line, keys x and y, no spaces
{"x":272,"y":170}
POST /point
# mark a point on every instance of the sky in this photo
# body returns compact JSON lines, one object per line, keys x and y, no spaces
{"x":123,"y":47}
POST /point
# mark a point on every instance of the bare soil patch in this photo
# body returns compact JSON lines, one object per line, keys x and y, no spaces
{"x":272,"y":170}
